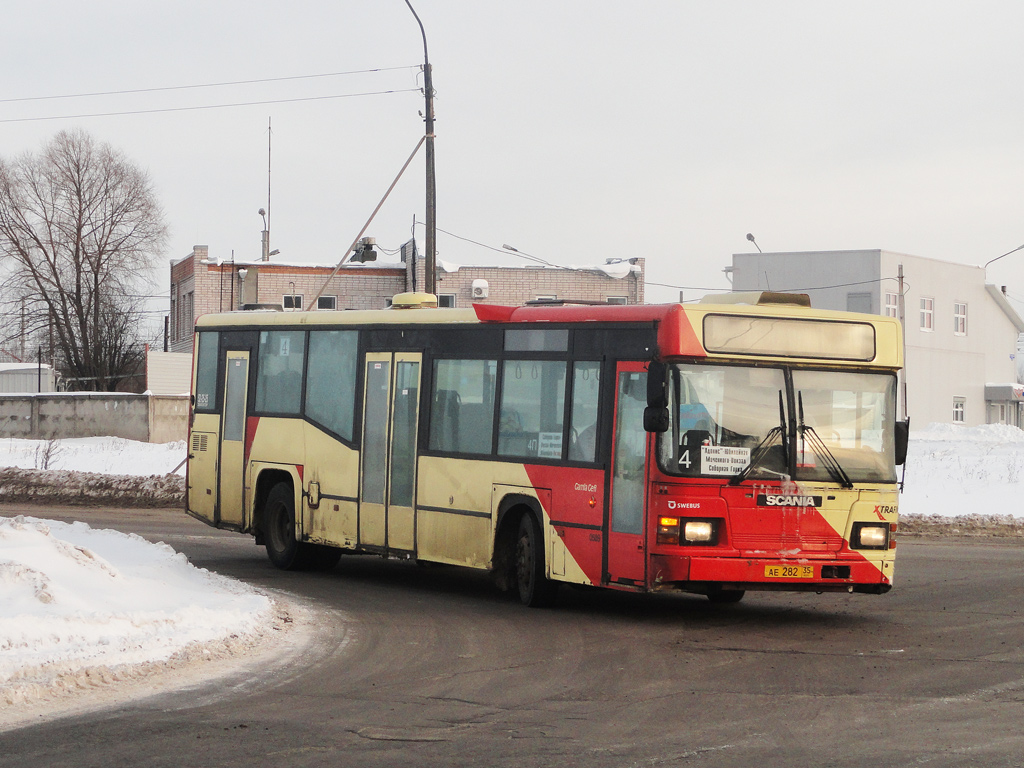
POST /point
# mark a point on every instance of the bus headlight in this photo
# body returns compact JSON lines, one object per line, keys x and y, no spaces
{"x":698,"y":531}
{"x":682,"y":532}
{"x":869,"y":536}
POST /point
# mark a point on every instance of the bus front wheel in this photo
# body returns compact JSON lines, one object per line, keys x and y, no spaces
{"x":535,"y":590}
{"x":725,"y":596}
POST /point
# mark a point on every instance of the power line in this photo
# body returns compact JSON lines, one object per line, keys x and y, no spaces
{"x":203,"y":85}
{"x":208,"y":106}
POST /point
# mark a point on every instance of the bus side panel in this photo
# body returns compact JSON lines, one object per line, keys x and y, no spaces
{"x":203,"y":461}
{"x":457,"y":508}
{"x":453,"y":511}
{"x":334,"y":469}
{"x":575,"y":514}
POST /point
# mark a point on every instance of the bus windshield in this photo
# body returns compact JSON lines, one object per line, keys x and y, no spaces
{"x":738,"y":422}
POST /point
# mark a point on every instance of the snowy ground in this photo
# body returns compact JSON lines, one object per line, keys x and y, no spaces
{"x":81,"y":607}
{"x":106,"y":455}
{"x":965,"y":471}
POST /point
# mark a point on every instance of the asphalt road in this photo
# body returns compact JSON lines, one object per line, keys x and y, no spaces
{"x":432,"y":667}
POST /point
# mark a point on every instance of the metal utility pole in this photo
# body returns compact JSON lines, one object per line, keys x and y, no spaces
{"x":266,"y":242}
{"x":902,"y":311}
{"x":429,"y":279}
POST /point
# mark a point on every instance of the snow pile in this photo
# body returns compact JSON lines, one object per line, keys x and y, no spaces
{"x":34,"y":486}
{"x":104,"y":455}
{"x":80,"y":606}
{"x":92,"y":471}
{"x":954,"y":471}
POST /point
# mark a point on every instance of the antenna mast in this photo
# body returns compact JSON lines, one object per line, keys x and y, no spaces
{"x":266,"y":234}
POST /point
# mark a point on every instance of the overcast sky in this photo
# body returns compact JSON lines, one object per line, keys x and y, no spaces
{"x":574,"y":130}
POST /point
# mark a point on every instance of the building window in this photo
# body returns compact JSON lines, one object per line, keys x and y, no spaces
{"x":618,"y":300}
{"x":959,"y":406}
{"x":960,"y":319}
{"x":927,"y":314}
{"x":292,"y":301}
{"x":327,"y":302}
{"x":858,"y":302}
{"x":892,"y":305}
{"x":998,"y":413}
{"x":446,"y":300}
{"x":173,"y":323}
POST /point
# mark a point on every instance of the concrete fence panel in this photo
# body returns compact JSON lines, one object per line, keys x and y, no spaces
{"x":147,"y":418}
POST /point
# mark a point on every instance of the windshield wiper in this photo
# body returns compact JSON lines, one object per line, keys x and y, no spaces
{"x":762,"y":448}
{"x":808,"y":435}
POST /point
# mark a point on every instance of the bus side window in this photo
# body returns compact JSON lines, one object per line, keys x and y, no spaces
{"x":331,"y":380}
{"x":206,"y":371}
{"x":462,"y":406}
{"x":532,"y":408}
{"x":586,"y":380}
{"x":279,"y":372}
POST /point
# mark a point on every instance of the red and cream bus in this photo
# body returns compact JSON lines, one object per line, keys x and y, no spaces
{"x":746,"y":444}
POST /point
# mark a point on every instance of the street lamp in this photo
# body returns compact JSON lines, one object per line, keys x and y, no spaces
{"x":750,"y":237}
{"x":266,"y":235}
{"x":429,"y":277}
{"x":997,"y":258}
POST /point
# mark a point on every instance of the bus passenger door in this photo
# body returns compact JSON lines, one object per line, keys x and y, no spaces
{"x":387,"y":485}
{"x":624,"y":524}
{"x":231,"y":491}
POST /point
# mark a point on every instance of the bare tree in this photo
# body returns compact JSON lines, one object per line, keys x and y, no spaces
{"x":80,"y":228}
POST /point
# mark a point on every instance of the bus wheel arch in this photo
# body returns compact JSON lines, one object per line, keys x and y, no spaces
{"x":276,"y":527}
{"x":266,"y":481}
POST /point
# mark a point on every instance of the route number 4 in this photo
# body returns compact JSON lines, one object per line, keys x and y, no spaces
{"x":684,"y":460}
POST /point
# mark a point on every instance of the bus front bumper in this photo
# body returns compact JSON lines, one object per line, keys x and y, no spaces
{"x":798,"y":574}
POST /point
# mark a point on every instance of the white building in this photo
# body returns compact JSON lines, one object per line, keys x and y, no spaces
{"x":26,"y":377}
{"x":961,"y":333}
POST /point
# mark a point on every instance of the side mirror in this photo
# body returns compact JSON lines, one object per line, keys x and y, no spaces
{"x":655,"y":419}
{"x":657,"y":386}
{"x":902,"y":438}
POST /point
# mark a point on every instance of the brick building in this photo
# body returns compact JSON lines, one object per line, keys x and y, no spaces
{"x":200,"y":285}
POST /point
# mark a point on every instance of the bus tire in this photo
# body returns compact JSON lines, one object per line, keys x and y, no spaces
{"x":283,"y":549}
{"x":535,"y":590}
{"x":726,"y":596}
{"x":323,"y":557}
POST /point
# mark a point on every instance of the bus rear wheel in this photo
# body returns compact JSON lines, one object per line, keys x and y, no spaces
{"x":535,"y":590}
{"x":279,"y":528}
{"x":283,"y":549}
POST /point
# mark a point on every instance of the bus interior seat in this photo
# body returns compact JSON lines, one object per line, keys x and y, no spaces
{"x":475,"y":428}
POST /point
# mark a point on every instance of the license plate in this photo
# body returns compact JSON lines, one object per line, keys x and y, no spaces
{"x":789,"y":571}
